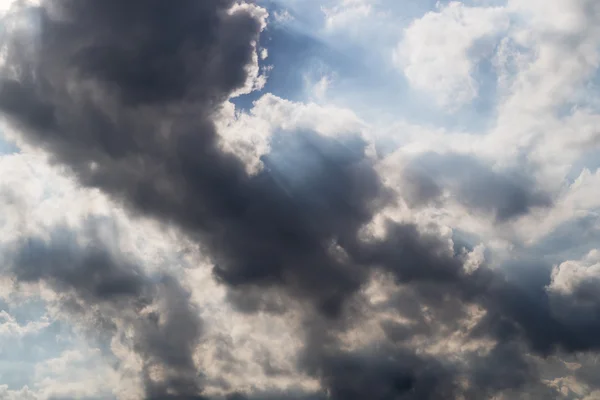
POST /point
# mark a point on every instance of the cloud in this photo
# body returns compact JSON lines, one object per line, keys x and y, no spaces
{"x":22,"y":394}
{"x":573,"y":278}
{"x":295,"y":225}
{"x":11,"y":327}
{"x":74,"y":374}
{"x":248,"y":135}
{"x":346,"y":12}
{"x":107,"y":294}
{"x":321,"y":282}
{"x":504,"y":194}
{"x":440,"y":51}
{"x":356,"y":376}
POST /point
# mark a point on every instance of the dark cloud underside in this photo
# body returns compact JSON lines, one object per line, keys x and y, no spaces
{"x":504,"y":194}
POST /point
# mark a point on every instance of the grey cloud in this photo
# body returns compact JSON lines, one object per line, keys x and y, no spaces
{"x":522,"y":309}
{"x":355,"y":376}
{"x":379,"y":371}
{"x":154,"y":147}
{"x":505,"y":194}
{"x":503,"y":368}
{"x":570,"y":240}
{"x":287,"y":395}
{"x":395,"y":368}
{"x":152,"y":144}
{"x":94,"y":273}
{"x":381,"y":374}
{"x":92,"y":280}
{"x":124,"y":93}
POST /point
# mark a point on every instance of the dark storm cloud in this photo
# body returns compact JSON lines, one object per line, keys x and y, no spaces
{"x":94,"y":281}
{"x":504,"y":194}
{"x":378,"y":371}
{"x":393,"y":368}
{"x":288,"y":395}
{"x":125,"y":93}
{"x":521,"y":307}
{"x":383,"y":373}
{"x":93,"y":272}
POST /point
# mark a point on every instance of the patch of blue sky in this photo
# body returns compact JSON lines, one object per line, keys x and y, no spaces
{"x":464,"y":240}
{"x":7,"y":147}
{"x":27,"y":310}
{"x":312,"y":10}
{"x":20,"y":354}
{"x":589,"y":160}
{"x":290,"y":53}
{"x":360,"y":70}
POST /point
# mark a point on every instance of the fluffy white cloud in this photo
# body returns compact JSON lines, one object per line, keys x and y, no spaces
{"x":546,"y":105}
{"x":572,"y":277}
{"x":439,"y":51}
{"x":550,"y":58}
{"x":256,"y":78}
{"x":21,"y":394}
{"x":7,"y":5}
{"x":247,"y":135}
{"x":77,"y":374}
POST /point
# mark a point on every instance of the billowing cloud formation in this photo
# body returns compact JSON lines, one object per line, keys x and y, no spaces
{"x":440,"y":50}
{"x":113,"y":294}
{"x":127,"y":96}
{"x":135,"y":119}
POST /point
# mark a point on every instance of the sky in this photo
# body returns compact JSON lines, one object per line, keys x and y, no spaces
{"x":299,"y":199}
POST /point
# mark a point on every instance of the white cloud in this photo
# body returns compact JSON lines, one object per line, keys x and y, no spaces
{"x":347,"y":13}
{"x":247,"y":134}
{"x":550,"y":100}
{"x":569,"y":276}
{"x":320,"y":87}
{"x":256,"y":77}
{"x":440,"y":50}
{"x":547,"y":104}
{"x":20,"y":394}
{"x":7,"y":5}
{"x":283,"y":17}
{"x":76,"y":374}
{"x":10,"y":327}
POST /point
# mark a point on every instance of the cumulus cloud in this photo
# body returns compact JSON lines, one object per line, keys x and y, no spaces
{"x":110,"y":294}
{"x":24,"y":394}
{"x":571,"y":276}
{"x":74,"y":374}
{"x":318,"y":270}
{"x":504,"y":194}
{"x":440,"y":51}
